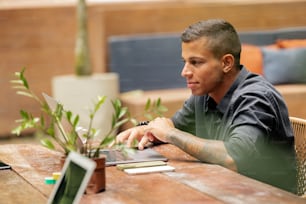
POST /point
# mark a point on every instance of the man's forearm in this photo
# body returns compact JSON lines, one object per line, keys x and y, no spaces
{"x":210,"y":151}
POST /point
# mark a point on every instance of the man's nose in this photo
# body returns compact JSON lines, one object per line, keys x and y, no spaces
{"x":186,"y":71}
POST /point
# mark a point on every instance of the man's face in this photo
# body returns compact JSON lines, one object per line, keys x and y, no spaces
{"x":203,"y":72}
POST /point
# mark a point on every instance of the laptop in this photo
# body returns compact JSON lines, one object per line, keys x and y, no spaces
{"x":113,"y":156}
{"x":75,"y":175}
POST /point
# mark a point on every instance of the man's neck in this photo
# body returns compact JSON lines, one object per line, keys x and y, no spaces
{"x":225,"y":85}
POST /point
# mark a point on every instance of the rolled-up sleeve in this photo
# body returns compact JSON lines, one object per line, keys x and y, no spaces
{"x":245,"y":144}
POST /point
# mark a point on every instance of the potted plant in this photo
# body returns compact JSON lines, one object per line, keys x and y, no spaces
{"x":49,"y":126}
{"x":66,"y":140}
{"x":78,"y":89}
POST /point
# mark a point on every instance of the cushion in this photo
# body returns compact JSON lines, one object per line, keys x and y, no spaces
{"x":283,"y":43}
{"x":251,"y":57}
{"x":284,"y":65}
{"x":147,"y":62}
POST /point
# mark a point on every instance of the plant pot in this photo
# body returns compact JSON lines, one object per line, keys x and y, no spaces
{"x":77,"y":93}
{"x":97,"y":181}
{"x":62,"y":161}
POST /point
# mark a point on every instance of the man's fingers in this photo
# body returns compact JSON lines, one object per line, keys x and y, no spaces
{"x":143,"y":142}
{"x":123,"y":136}
{"x":132,"y":137}
{"x":146,"y":140}
{"x":129,"y":136}
{"x":140,"y":134}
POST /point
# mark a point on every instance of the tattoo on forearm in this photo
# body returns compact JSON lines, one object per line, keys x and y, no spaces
{"x":204,"y":150}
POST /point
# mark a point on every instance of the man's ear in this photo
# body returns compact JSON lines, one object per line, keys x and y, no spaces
{"x":228,"y":62}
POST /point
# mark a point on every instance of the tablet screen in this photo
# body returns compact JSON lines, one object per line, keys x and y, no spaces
{"x":70,"y":184}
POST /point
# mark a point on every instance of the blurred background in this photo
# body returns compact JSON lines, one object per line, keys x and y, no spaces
{"x":40,"y":35}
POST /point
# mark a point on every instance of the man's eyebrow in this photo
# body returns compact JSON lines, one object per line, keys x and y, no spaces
{"x":195,"y":58}
{"x":192,"y":58}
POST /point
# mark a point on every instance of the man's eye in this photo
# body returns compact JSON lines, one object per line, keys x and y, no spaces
{"x":195,"y":62}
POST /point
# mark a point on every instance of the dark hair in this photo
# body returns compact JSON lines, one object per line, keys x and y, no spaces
{"x":221,"y":35}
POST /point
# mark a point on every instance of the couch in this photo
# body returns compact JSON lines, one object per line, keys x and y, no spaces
{"x":149,"y":66}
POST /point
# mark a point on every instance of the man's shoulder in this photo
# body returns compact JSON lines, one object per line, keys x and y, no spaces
{"x":256,"y":88}
{"x":254,"y":83}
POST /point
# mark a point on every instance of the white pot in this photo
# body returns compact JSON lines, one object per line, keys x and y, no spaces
{"x":78,"y":94}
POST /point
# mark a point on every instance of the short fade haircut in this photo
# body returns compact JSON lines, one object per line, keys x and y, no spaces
{"x":221,"y":35}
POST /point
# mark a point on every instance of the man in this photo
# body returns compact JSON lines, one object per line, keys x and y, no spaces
{"x":234,"y":118}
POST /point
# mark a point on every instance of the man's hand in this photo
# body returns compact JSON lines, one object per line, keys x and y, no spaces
{"x":159,"y":128}
{"x":131,"y":135}
{"x":146,"y":134}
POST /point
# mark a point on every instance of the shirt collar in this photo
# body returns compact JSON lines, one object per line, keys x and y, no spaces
{"x":222,"y":106}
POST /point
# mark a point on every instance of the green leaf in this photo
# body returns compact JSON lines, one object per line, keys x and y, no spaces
{"x":108,"y":140}
{"x":158,"y":102}
{"x":134,"y":121}
{"x":101,"y":100}
{"x":123,"y":112}
{"x":17,"y":130}
{"x":42,"y":121}
{"x":114,"y":119}
{"x":20,"y":87}
{"x":148,"y":104}
{"x":16,"y":81}
{"x":162,"y":109}
{"x":47,"y":143}
{"x":59,"y":111}
{"x":69,"y":115}
{"x":148,"y":116}
{"x":121,"y":122}
{"x":23,"y":79}
{"x":23,"y":93}
{"x":24,"y":114}
{"x":76,"y":121}
{"x":50,"y":131}
{"x":17,"y":74}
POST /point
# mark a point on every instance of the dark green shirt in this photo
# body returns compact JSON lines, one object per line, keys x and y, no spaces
{"x":252,"y":119}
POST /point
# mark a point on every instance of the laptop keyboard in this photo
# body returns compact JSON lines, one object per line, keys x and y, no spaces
{"x":114,"y":155}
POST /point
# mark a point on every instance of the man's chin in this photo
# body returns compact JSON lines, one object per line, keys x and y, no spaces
{"x":197,"y":93}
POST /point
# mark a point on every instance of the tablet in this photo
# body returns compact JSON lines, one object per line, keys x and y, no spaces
{"x":73,"y":181}
{"x":4,"y":165}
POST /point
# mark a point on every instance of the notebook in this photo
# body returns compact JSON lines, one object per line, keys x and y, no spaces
{"x":74,"y":179}
{"x":113,"y":157}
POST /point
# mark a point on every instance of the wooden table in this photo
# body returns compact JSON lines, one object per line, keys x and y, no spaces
{"x":191,"y":182}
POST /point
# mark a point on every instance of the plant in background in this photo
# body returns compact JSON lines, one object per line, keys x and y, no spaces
{"x":152,"y":109}
{"x":50,"y":122}
{"x":82,"y":57}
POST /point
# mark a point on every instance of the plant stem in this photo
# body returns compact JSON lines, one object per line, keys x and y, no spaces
{"x":82,"y":56}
